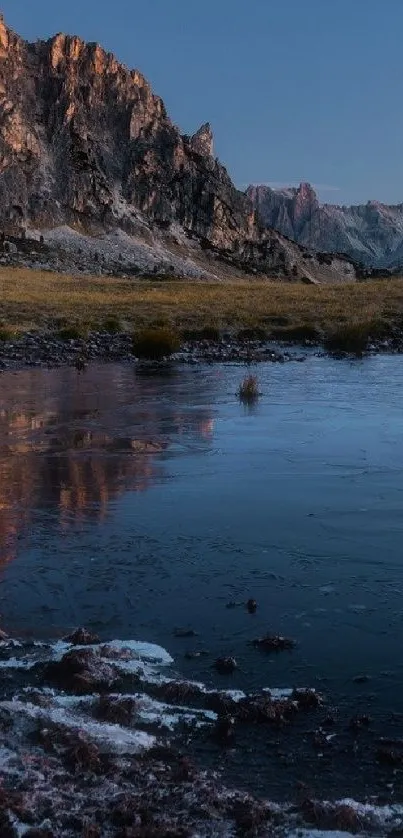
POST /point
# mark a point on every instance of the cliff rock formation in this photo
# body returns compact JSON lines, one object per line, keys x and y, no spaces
{"x":370,"y":233}
{"x":84,"y":142}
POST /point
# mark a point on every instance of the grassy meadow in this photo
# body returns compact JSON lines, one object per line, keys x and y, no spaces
{"x":47,"y":301}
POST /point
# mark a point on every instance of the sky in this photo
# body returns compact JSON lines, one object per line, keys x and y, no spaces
{"x":295,"y":90}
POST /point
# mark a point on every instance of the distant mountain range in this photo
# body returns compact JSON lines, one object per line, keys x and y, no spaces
{"x":87,"y":151}
{"x":370,"y":233}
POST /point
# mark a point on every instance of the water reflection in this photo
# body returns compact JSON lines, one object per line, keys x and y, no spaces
{"x":71,"y":444}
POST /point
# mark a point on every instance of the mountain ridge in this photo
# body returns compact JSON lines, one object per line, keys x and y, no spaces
{"x":370,"y":233}
{"x":85,"y":142}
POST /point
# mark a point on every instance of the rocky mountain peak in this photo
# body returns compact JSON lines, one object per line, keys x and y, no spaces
{"x":86,"y":144}
{"x":8,"y":39}
{"x":306,"y":192}
{"x":4,"y":36}
{"x":203,"y":140}
{"x":370,"y":233}
{"x":305,"y":205}
{"x":64,"y":49}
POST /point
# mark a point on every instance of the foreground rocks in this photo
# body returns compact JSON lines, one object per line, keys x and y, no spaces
{"x":47,"y":350}
{"x":81,"y":671}
{"x":86,"y":751}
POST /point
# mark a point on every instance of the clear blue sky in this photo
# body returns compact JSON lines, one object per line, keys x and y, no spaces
{"x":294,"y":89}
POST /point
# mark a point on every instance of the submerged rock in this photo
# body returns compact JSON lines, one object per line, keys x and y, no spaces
{"x":273,"y":643}
{"x":184,"y":633}
{"x":359,"y":722}
{"x":192,"y":655}
{"x":361,"y":679}
{"x":307,"y":699}
{"x":225,"y":666}
{"x":390,"y":752}
{"x":224,"y":731}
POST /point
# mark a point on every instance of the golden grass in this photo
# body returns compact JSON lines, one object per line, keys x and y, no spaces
{"x":42,"y":300}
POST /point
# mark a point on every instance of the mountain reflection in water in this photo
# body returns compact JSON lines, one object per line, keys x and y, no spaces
{"x":73,"y":443}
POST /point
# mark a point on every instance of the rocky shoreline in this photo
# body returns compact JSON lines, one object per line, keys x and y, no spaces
{"x":36,"y":349}
{"x":95,"y":742}
{"x":46,"y":350}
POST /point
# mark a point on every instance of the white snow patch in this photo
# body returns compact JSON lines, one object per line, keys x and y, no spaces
{"x":141,"y":650}
{"x":236,"y":695}
{"x":166,"y":715}
{"x":149,"y":652}
{"x":148,"y":710}
{"x":115,"y":737}
{"x":383,"y":814}
{"x":17,"y":663}
{"x":278,"y":694}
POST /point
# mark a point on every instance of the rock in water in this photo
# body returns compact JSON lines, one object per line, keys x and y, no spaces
{"x":82,"y":637}
{"x":225,"y":666}
{"x":273,"y":643}
{"x":81,"y":671}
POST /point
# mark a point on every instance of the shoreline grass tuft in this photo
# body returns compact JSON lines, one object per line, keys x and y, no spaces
{"x":112,"y":325}
{"x":79,"y":332}
{"x":7,"y":334}
{"x":354,"y":338}
{"x":156,"y":344}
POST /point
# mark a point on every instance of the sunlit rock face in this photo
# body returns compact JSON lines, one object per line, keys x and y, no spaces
{"x":80,"y":133}
{"x":85,"y":142}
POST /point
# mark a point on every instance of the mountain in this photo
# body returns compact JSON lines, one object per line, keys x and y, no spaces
{"x":370,"y":233}
{"x":87,"y":151}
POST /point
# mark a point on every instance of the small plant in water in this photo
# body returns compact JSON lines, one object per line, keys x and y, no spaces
{"x":249,"y":390}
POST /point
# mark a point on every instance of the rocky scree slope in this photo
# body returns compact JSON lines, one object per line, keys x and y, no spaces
{"x":84,"y":143}
{"x":370,"y":233}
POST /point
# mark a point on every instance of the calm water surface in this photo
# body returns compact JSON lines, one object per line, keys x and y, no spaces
{"x":297,"y":503}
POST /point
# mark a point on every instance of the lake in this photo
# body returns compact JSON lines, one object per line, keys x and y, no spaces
{"x":137,"y":503}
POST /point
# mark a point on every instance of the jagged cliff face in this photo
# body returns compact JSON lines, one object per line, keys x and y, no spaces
{"x":371,"y":233}
{"x":84,"y":141}
{"x":81,"y":135}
